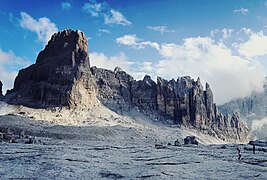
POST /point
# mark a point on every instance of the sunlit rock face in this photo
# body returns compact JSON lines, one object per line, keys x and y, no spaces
{"x":61,"y":75}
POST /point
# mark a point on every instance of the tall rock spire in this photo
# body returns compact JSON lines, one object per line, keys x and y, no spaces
{"x":61,"y":75}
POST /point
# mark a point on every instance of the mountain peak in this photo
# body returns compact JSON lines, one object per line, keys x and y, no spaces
{"x":61,"y":75}
{"x":69,"y":47}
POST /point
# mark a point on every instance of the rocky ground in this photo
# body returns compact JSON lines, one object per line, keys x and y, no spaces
{"x":70,"y":145}
{"x":68,"y":159}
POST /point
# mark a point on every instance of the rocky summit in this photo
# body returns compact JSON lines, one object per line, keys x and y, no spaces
{"x":62,"y":77}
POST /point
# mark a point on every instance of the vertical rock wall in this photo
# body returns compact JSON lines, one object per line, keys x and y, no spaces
{"x":61,"y":75}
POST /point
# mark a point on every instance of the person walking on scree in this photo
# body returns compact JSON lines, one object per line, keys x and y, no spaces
{"x":238,"y":153}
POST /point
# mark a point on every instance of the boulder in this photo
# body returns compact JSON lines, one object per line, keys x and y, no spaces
{"x":190,"y":140}
{"x":177,"y":143}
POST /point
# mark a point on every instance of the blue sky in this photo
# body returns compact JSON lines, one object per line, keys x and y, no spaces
{"x":222,"y":42}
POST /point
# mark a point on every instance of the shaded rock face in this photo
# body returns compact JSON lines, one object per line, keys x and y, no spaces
{"x":1,"y":91}
{"x":182,"y":102}
{"x":61,"y":75}
{"x":187,"y":103}
{"x":120,"y":92}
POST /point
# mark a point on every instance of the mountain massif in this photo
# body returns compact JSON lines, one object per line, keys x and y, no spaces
{"x":62,"y":77}
{"x":253,"y":109}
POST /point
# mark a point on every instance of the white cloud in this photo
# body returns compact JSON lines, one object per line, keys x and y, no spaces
{"x":9,"y":64}
{"x":102,"y":61}
{"x":102,"y":9}
{"x":132,"y":41}
{"x":161,"y":29}
{"x":255,"y":46}
{"x":135,"y":69}
{"x":258,"y":124}
{"x":43,"y":27}
{"x":104,"y":31}
{"x":66,"y":5}
{"x":241,"y":10}
{"x":230,"y":75}
{"x":221,"y":34}
{"x":115,"y":17}
{"x":94,"y":8}
{"x":129,"y":40}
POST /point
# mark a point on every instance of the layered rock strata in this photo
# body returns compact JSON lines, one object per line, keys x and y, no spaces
{"x":61,"y":75}
{"x":182,"y":101}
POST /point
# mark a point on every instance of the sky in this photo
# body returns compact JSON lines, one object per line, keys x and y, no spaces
{"x":222,"y":42}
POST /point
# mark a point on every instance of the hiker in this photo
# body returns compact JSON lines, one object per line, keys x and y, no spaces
{"x":238,"y":153}
{"x":254,"y":149}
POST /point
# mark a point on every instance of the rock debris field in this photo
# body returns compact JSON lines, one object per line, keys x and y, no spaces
{"x":117,"y":147}
{"x":62,"y":159}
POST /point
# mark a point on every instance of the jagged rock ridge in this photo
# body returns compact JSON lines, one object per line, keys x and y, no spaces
{"x":182,"y":102}
{"x":62,"y":76}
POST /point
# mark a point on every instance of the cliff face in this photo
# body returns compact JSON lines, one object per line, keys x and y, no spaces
{"x":62,"y":76}
{"x":183,"y":102}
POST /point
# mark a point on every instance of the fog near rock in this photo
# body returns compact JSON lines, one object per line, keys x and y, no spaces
{"x":258,"y":124}
{"x":6,"y":109}
{"x":259,"y":129}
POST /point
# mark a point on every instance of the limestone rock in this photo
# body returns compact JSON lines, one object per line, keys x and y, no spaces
{"x":61,"y":75}
{"x":144,"y":94}
{"x":190,"y":140}
{"x":177,"y":143}
{"x":187,"y":103}
{"x":183,"y":102}
{"x":114,"y":88}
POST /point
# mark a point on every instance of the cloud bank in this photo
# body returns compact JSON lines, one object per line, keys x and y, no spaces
{"x":231,"y":70}
{"x":9,"y":62}
{"x":101,"y":60}
{"x":43,"y":27}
